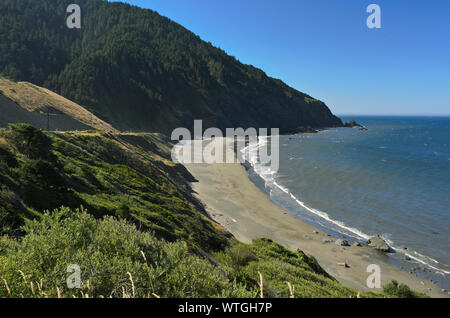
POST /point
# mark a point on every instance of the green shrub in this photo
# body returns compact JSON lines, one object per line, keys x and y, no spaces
{"x":9,"y":222}
{"x":29,"y":141}
{"x":114,"y":257}
{"x":394,"y":289}
{"x":279,"y":266}
{"x":241,"y":255}
{"x":7,"y":157}
{"x":42,"y":174}
{"x":124,"y":210}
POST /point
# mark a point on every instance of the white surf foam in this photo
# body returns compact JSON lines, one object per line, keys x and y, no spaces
{"x":250,"y":155}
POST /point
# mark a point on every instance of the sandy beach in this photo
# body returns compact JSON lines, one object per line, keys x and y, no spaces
{"x":234,"y":201}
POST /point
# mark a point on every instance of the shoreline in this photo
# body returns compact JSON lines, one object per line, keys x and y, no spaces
{"x":236,"y":203}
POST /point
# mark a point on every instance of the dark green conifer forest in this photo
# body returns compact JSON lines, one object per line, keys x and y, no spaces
{"x":143,"y":72}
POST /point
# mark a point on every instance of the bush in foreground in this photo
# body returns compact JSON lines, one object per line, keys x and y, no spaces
{"x":394,"y":289}
{"x":116,"y":260}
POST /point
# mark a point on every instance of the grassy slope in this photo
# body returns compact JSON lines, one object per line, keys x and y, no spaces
{"x":38,"y":99}
{"x":103,"y":172}
{"x":130,"y":177}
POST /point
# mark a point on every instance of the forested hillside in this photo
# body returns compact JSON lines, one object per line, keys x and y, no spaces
{"x":140,"y":71}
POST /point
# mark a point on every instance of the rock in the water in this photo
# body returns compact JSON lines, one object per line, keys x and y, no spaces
{"x":352,"y":123}
{"x":342,"y":242}
{"x":306,"y":129}
{"x":378,"y":243}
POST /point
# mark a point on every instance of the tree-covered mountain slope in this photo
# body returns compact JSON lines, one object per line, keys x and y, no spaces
{"x":140,"y":71}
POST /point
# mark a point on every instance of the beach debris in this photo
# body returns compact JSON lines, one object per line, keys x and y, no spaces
{"x":326,"y":241}
{"x":343,"y":264}
{"x":316,"y":232}
{"x":356,"y":244}
{"x":378,"y":243}
{"x":407,"y":258}
{"x":342,"y":242}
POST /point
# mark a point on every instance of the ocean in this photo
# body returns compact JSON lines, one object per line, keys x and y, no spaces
{"x":391,"y":180}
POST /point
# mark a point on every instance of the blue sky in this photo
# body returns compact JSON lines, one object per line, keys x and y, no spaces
{"x":324,"y":48}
